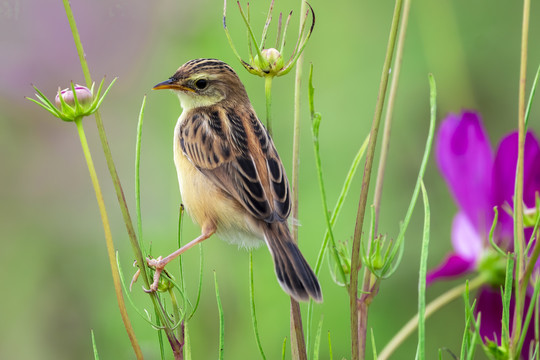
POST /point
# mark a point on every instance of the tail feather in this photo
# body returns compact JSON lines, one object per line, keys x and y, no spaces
{"x":292,"y":270}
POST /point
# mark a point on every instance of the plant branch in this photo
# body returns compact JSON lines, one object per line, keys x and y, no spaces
{"x":385,"y":141}
{"x":108,"y":240}
{"x":357,"y":338}
{"x":519,"y":237}
{"x":268,"y":95}
{"x":175,"y":345}
{"x":298,"y":344}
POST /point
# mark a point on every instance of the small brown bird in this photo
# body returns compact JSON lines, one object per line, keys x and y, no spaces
{"x":231,"y":178}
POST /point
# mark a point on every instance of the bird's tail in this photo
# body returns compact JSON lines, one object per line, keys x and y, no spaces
{"x":292,"y":270}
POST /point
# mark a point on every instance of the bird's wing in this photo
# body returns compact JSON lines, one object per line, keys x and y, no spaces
{"x":240,"y":158}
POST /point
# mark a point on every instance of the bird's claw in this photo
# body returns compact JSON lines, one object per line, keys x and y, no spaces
{"x":159,"y":266}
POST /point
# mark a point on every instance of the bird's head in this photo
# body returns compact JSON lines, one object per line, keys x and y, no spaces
{"x":205,"y":82}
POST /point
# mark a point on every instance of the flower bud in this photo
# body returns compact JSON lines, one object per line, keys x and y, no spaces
{"x":271,"y":63}
{"x":84,"y":96}
{"x":74,"y":102}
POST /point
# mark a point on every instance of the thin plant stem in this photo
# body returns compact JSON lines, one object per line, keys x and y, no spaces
{"x":268,"y":95}
{"x":252,"y":301}
{"x":298,"y":344}
{"x":431,"y":308}
{"x":106,"y":149}
{"x":385,"y":141}
{"x":221,"y":320}
{"x":359,"y":316}
{"x":108,"y":240}
{"x":519,"y":237}
{"x":175,"y":345}
{"x":421,"y":350}
{"x":137,"y":172}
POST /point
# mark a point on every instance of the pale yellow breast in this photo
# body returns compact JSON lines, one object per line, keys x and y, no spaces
{"x":207,"y":204}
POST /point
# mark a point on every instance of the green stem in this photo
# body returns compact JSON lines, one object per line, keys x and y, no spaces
{"x":221,"y":322}
{"x":385,"y":141}
{"x":359,"y":326}
{"x":177,"y":317}
{"x":175,"y":345}
{"x":108,"y":240}
{"x":78,"y":43}
{"x":252,"y":301}
{"x":298,"y":344}
{"x":137,"y":172}
{"x":268,"y":95}
{"x":519,"y":237}
{"x":106,"y":148}
{"x":431,"y":308}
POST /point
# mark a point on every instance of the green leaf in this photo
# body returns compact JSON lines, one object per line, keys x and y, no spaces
{"x":221,"y":322}
{"x":252,"y":302}
{"x":531,"y":97}
{"x":422,"y":278}
{"x":506,"y":296}
{"x":94,"y":347}
{"x":317,"y":343}
{"x":431,"y":133}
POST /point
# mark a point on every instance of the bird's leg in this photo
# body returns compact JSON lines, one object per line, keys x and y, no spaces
{"x":159,"y":263}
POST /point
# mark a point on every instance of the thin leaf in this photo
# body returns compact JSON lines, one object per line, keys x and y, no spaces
{"x":531,"y":97}
{"x":53,"y":111}
{"x":94,"y":347}
{"x":423,"y":166}
{"x":373,"y":345}
{"x":267,"y":24}
{"x":128,"y":294}
{"x":506,"y":296}
{"x":221,"y":322}
{"x":528,"y":317}
{"x":262,"y":60}
{"x":105,"y":93}
{"x":252,"y":301}
{"x":421,"y":354}
{"x":231,"y":44}
{"x":298,"y":51}
{"x":44,"y":99}
{"x":330,"y":347}
{"x":278,"y":30}
{"x":317,"y":343}
{"x":199,"y":290}
{"x":282,"y":46}
{"x":160,"y":336}
{"x":137,"y":175}
{"x":492,"y":231}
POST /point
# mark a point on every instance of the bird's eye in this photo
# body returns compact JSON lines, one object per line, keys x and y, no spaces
{"x":201,"y":84}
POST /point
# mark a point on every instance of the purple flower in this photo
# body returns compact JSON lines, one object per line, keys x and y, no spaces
{"x":479,"y":181}
{"x":84,"y":96}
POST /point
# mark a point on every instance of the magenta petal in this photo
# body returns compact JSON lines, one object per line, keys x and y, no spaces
{"x":504,"y":173}
{"x":465,"y":159}
{"x":465,"y":239}
{"x":454,"y":265}
{"x":489,"y":304}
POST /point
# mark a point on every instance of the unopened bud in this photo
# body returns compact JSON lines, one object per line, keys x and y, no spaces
{"x":84,"y":96}
{"x":273,"y":61}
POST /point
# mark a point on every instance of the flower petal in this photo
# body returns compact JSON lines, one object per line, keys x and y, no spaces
{"x":454,"y":265}
{"x":465,"y":238}
{"x":489,"y":304}
{"x":465,"y":159}
{"x":504,"y":174}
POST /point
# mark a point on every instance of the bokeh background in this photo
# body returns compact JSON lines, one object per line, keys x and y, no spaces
{"x":56,"y":282}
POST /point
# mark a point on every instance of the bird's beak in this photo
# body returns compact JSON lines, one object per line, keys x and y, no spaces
{"x":171,"y":84}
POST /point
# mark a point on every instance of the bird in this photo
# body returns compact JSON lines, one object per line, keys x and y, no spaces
{"x":231,"y":179}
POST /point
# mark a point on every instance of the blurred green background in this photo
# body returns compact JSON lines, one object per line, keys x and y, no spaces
{"x":55,"y":274}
